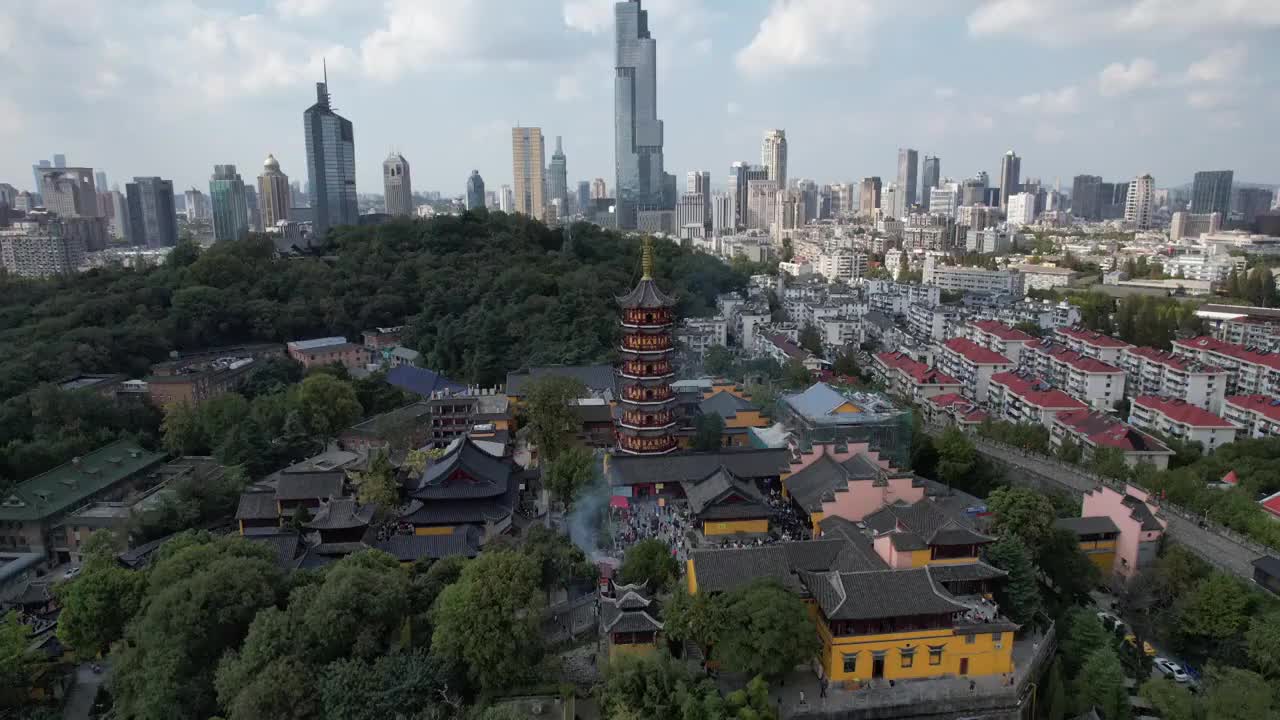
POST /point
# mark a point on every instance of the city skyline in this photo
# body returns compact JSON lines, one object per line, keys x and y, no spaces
{"x":1117,"y":105}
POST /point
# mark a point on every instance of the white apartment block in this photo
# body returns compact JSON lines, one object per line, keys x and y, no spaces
{"x":1180,"y":419}
{"x":1190,"y":226}
{"x":1246,"y":325}
{"x":844,"y":266}
{"x":1045,"y":277}
{"x":1149,"y":371}
{"x":1257,"y":416}
{"x":1020,"y":209}
{"x":990,"y":241}
{"x":749,"y":322}
{"x":1250,"y":372}
{"x":1206,"y":268}
{"x":1098,"y":384}
{"x":997,"y":336}
{"x":972,"y":365}
{"x":933,"y":323}
{"x":1023,"y":398}
{"x":839,"y":332}
{"x":34,"y":249}
{"x":1092,"y":344}
{"x":968,"y":279}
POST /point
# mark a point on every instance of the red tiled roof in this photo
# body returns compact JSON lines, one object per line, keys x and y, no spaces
{"x":1271,"y":504}
{"x":1181,"y":411}
{"x":1261,"y":404}
{"x":791,"y":349}
{"x":1035,"y":391}
{"x":1091,"y":338}
{"x":949,"y":399}
{"x":1002,"y":331}
{"x":1231,"y":478}
{"x":919,"y":372}
{"x":975,"y":353}
{"x":1074,"y":359}
{"x":1103,"y":430}
{"x":965,"y":409}
{"x":1170,"y":360}
{"x":1239,"y":352}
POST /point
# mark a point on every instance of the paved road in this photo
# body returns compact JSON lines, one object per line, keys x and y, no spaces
{"x":80,"y":699}
{"x":1221,"y":551}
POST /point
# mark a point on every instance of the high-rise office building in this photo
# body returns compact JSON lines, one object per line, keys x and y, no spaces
{"x":475,"y":191}
{"x":331,"y":164}
{"x":1010,"y":172}
{"x":1140,"y":203}
{"x":698,"y":182}
{"x":723,"y":221}
{"x":1211,"y":192}
{"x":973,"y":191}
{"x":59,"y":160}
{"x":892,"y":201}
{"x":583,"y":200}
{"x":275,"y":197}
{"x":1021,"y":209}
{"x":944,"y":199}
{"x":255,"y":213}
{"x":69,"y":191}
{"x":397,"y":185}
{"x":197,"y":204}
{"x":599,"y":189}
{"x":230,"y":206}
{"x":869,"y":195}
{"x":930,"y":176}
{"x":1247,"y":203}
{"x":36,"y":174}
{"x":528,"y":158}
{"x":741,"y":175}
{"x":152,"y":220}
{"x":506,"y":199}
{"x":773,"y":156}
{"x":1086,"y":197}
{"x":558,"y":178}
{"x":118,"y":222}
{"x":100,"y":180}
{"x":641,"y":183}
{"x":908,"y":166}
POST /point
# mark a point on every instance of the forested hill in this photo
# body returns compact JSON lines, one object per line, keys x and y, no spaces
{"x":481,"y":294}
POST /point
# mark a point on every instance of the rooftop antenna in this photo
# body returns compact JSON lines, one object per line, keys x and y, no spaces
{"x":324,"y":65}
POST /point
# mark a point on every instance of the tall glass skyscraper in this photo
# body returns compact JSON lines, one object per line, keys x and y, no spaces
{"x":558,"y":177}
{"x":641,"y":182}
{"x":331,"y":164}
{"x":230,"y":206}
{"x":152,"y":221}
{"x":475,"y":191}
{"x":1211,"y":192}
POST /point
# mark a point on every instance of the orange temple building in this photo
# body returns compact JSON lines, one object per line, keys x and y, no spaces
{"x":647,"y":421}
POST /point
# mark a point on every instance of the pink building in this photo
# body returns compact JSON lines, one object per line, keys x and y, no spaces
{"x":327,"y":351}
{"x":846,"y":481}
{"x":1139,"y":521}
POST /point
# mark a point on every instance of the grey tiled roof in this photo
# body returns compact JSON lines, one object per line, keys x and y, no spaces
{"x":598,"y":378}
{"x":487,"y":476}
{"x":1268,"y":564}
{"x":309,"y":485}
{"x":686,"y":466}
{"x":616,"y":619}
{"x":646,"y":294}
{"x":726,"y":405}
{"x":1097,"y":525}
{"x":930,"y":523}
{"x":341,"y":514}
{"x":704,"y":495}
{"x":879,"y":594}
{"x":976,"y":570}
{"x":823,"y":477}
{"x":283,"y":542}
{"x":446,"y":512}
{"x":1140,"y":512}
{"x":907,"y":541}
{"x":256,"y":506}
{"x":731,"y":568}
{"x":408,"y":548}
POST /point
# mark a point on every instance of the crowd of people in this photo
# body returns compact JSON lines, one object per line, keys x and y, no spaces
{"x":669,"y":522}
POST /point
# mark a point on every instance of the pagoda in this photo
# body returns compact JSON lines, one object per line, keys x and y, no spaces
{"x":647,"y":421}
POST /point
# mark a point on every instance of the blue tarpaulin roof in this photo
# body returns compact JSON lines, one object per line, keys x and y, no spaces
{"x":421,"y":382}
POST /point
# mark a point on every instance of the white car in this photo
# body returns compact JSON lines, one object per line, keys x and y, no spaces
{"x":1171,"y":669}
{"x":70,"y":573}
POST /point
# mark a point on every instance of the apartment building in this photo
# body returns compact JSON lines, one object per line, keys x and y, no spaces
{"x":1091,"y":430}
{"x":1025,"y":398}
{"x":1098,"y":384}
{"x":1257,"y":416}
{"x":995,"y":335}
{"x":1045,"y":277}
{"x":1091,"y":344}
{"x":1149,"y":371}
{"x":969,"y":279}
{"x":1243,"y":324}
{"x":1250,"y":372}
{"x":318,"y":352}
{"x":933,"y":323}
{"x":954,"y":409}
{"x":902,"y":375}
{"x":972,"y":365}
{"x":1180,"y":419}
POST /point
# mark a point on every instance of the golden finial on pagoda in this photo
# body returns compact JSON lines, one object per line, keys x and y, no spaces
{"x":646,"y":258}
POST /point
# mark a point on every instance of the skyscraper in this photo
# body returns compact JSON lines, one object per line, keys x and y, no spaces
{"x":152,"y":221}
{"x":740,"y":176}
{"x":931,"y":176}
{"x":1211,"y":192}
{"x":558,"y":178}
{"x":506,"y":199}
{"x":869,"y":195}
{"x":1010,"y":171}
{"x":1247,"y":203}
{"x":251,"y":202}
{"x":69,"y":192}
{"x":475,"y":191}
{"x":527,"y":161}
{"x":118,"y":223}
{"x":274,"y":194}
{"x":1140,"y":202}
{"x":36,"y":174}
{"x":1086,"y":197}
{"x":100,"y":180}
{"x":698,"y":182}
{"x":397,"y":185}
{"x":230,"y":207}
{"x":599,"y":189}
{"x":584,"y":196}
{"x":197,"y":204}
{"x":331,"y":164}
{"x":908,"y":166}
{"x":892,"y":201}
{"x":641,"y":182}
{"x":773,"y":156}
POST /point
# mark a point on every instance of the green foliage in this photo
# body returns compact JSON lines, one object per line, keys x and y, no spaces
{"x":1082,"y":635}
{"x":1171,"y":701}
{"x":1262,"y":643}
{"x":326,"y":404}
{"x":559,"y":561}
{"x":811,"y":339}
{"x":1236,"y":694}
{"x":1154,"y":321}
{"x":1100,"y":684}
{"x":795,"y":376}
{"x":379,"y":484}
{"x":770,"y":631}
{"x":956,"y":456}
{"x":1066,"y":566}
{"x":1069,"y":451}
{"x":708,"y":433}
{"x":657,"y":687}
{"x":698,"y":619}
{"x":489,"y":620}
{"x":571,"y":471}
{"x":377,"y":396}
{"x":272,"y":376}
{"x":1028,"y":436}
{"x":1022,"y":513}
{"x":718,"y":361}
{"x":650,"y":561}
{"x":1109,"y":462}
{"x":765,"y":397}
{"x":846,"y":363}
{"x":1019,"y":597}
{"x":1055,"y":693}
{"x":1215,"y":612}
{"x":552,"y":420}
{"x":97,"y":605}
{"x":16,"y":662}
{"x":189,"y":502}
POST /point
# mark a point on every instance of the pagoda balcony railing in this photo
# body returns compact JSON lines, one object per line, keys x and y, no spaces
{"x":637,"y":394}
{"x":647,"y":343}
{"x":646,"y":368}
{"x":647,"y":445}
{"x":645,"y":420}
{"x":647,"y":318}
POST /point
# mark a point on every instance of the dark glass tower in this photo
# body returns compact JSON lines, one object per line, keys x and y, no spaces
{"x":1211,"y":192}
{"x":647,"y":422}
{"x":641,"y":182}
{"x":331,"y":164}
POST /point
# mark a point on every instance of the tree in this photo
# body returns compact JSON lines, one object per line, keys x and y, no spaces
{"x":245,"y":445}
{"x":379,"y":484}
{"x":1236,"y":694}
{"x":571,"y":471}
{"x":97,"y":605}
{"x":751,"y":702}
{"x":1100,"y":684}
{"x":560,"y":562}
{"x":489,"y":620}
{"x":811,"y":339}
{"x":956,"y":456}
{"x":708,"y":433}
{"x":1069,"y":451}
{"x":718,"y":361}
{"x":1055,"y":693}
{"x":1215,"y":612}
{"x":697,"y":619}
{"x":1109,"y":462}
{"x":326,"y":404}
{"x":1070,"y":571}
{"x":378,"y":396}
{"x":1262,"y":643}
{"x":183,"y":432}
{"x":770,"y":633}
{"x":16,"y":660}
{"x":650,"y":561}
{"x":656,"y":687}
{"x":795,"y":375}
{"x":1023,"y":513}
{"x":549,"y":406}
{"x":1018,"y":595}
{"x":846,"y":363}
{"x":1171,"y":700}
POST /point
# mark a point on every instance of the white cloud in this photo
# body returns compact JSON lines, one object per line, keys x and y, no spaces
{"x":672,"y":16}
{"x":1120,"y":79}
{"x":1053,"y":102}
{"x":809,"y":33}
{"x":1208,"y":99}
{"x":291,"y":9}
{"x":1060,"y":23}
{"x":592,"y":16}
{"x":1218,"y":66}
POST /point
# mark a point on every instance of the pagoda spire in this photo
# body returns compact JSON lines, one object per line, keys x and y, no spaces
{"x":646,"y":258}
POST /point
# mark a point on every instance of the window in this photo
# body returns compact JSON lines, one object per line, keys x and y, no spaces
{"x":997,"y":638}
{"x":908,"y":657}
{"x":970,"y":639}
{"x":851,"y":662}
{"x":935,"y":654}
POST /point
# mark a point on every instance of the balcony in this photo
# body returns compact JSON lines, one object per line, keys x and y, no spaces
{"x":647,"y":343}
{"x":646,"y":395}
{"x":646,"y":369}
{"x":650,"y":318}
{"x":647,"y":445}
{"x":637,"y":420}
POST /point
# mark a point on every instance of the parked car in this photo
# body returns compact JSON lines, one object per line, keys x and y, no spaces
{"x":70,"y":573}
{"x":1147,"y":649}
{"x":1171,"y":669}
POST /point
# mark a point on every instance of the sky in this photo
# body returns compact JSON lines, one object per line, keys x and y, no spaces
{"x":1115,"y":88}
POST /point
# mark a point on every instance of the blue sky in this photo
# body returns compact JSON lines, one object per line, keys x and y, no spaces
{"x":1109,"y":87}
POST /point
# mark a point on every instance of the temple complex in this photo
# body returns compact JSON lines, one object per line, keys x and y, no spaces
{"x":647,"y":417}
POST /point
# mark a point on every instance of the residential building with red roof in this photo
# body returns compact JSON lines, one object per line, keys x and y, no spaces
{"x":904,"y":376}
{"x":1257,"y":416}
{"x":953,"y":408}
{"x":972,"y":364}
{"x":1025,"y":398}
{"x":1149,"y":371}
{"x":1090,"y":430}
{"x":1180,"y":419}
{"x":1252,"y":372}
{"x":1096,"y":383}
{"x":995,"y":335}
{"x":1091,"y":344}
{"x":1271,"y":504}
